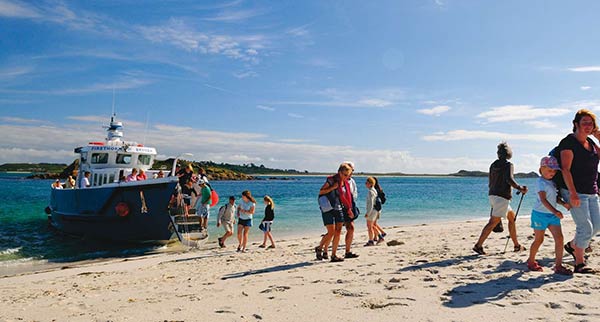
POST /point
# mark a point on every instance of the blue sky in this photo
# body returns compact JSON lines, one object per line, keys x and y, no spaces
{"x":395,"y":86}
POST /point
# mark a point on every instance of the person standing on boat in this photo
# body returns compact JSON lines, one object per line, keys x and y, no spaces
{"x":185,"y":174}
{"x":84,"y":182}
{"x":57,"y":184}
{"x":70,"y":183}
{"x":132,"y":176}
{"x":141,"y":175}
{"x":227,"y":219}
{"x":203,"y":204}
{"x":501,"y":182}
{"x":245,"y":211}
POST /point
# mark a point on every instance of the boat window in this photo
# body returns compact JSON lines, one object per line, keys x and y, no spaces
{"x":123,"y":158}
{"x":144,"y":159}
{"x":99,"y":158}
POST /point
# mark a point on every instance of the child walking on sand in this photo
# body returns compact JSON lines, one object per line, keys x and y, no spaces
{"x":545,"y":215}
{"x":227,"y":219}
{"x":501,"y":180}
{"x":265,"y":224}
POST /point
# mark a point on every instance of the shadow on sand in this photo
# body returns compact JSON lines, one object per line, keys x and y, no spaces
{"x":267,"y":270}
{"x":499,"y":288}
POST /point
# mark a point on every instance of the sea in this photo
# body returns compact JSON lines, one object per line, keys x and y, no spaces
{"x":27,"y":241}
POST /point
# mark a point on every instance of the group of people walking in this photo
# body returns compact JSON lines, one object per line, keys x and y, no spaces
{"x":337,"y":200}
{"x":568,"y":177}
{"x":243,"y":213}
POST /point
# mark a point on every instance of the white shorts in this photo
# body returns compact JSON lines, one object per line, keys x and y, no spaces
{"x":500,"y":206}
{"x":373,"y":215}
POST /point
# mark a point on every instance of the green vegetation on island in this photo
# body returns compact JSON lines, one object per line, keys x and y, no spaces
{"x":216,"y":171}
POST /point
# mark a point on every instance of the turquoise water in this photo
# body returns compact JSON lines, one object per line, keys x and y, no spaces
{"x":25,"y":235}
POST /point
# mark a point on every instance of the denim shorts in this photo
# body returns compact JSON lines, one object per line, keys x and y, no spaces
{"x":245,"y":222}
{"x":586,"y":217}
{"x":332,"y":217}
{"x":541,"y":220}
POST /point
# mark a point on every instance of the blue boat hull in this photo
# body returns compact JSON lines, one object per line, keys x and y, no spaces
{"x":93,"y":213}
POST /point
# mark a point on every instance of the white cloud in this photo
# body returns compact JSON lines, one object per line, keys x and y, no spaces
{"x":235,"y":15}
{"x":300,"y":31}
{"x":462,"y":135}
{"x":10,"y":119}
{"x":17,"y":10}
{"x":265,"y":108}
{"x":544,"y":124}
{"x":585,"y":69}
{"x":245,"y":74}
{"x":437,"y":110}
{"x":180,"y":34}
{"x":520,"y":113}
{"x":320,"y":62}
{"x":585,"y":88}
{"x":294,"y":115}
{"x":124,"y":83}
{"x":374,"y":102}
{"x":34,"y":143}
{"x":15,"y":71}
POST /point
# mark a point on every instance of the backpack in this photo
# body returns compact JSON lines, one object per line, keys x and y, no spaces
{"x":222,"y":211}
{"x":377,"y":205}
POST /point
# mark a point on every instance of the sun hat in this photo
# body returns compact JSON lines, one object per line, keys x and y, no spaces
{"x":549,"y":162}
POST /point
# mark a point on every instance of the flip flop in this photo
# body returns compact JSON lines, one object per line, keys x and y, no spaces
{"x":569,"y":249}
{"x":479,"y":250}
{"x":561,"y":270}
{"x":534,"y":266}
{"x":583,"y":269}
{"x":519,"y":248}
{"x":318,"y":253}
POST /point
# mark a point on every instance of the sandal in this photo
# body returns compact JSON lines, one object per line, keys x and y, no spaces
{"x":270,"y":247}
{"x":381,"y":240}
{"x":583,"y":269}
{"x":351,"y":255}
{"x":561,"y":270}
{"x":335,"y":259}
{"x":325,"y":256}
{"x":370,"y":243}
{"x":479,"y":250}
{"x":318,"y":253}
{"x":519,"y":248}
{"x":569,"y":249}
{"x":534,"y":266}
{"x":262,"y":246}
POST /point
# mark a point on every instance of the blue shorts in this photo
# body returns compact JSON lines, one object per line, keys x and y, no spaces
{"x":266,"y":226}
{"x":541,"y":220}
{"x":245,"y":222}
{"x":332,"y":217}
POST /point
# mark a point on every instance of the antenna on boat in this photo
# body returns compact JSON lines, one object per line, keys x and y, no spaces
{"x":113,"y":106}
{"x":146,"y":129}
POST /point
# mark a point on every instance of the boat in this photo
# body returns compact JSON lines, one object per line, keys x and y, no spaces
{"x":112,"y":208}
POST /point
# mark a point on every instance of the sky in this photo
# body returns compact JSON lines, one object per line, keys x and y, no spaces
{"x":394,"y":86}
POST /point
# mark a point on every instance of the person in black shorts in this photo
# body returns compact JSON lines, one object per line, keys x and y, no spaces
{"x":332,"y":213}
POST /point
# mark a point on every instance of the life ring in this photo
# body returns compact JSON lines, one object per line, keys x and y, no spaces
{"x":122,"y":209}
{"x":214,"y":198}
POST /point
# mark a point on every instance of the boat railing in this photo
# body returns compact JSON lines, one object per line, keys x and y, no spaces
{"x":100,"y":177}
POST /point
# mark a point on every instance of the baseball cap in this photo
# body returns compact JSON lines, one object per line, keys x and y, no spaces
{"x":550,"y":162}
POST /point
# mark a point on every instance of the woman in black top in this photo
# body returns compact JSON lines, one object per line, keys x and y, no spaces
{"x":578,"y":156}
{"x":265,"y":224}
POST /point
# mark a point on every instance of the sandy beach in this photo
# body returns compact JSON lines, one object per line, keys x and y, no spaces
{"x":426,"y":273}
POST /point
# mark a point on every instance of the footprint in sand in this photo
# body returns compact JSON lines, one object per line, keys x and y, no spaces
{"x":275,"y":288}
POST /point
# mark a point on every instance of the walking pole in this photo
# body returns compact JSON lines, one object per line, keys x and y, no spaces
{"x":516,"y":214}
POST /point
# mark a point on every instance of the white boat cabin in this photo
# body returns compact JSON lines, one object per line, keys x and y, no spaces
{"x":114,"y":159}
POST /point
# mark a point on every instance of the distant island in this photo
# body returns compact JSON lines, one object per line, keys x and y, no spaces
{"x":219,"y":171}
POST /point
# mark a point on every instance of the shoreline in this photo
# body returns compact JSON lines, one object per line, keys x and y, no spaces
{"x":430,"y":273}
